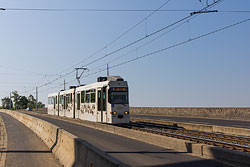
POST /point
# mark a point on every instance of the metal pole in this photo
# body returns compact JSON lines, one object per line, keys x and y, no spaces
{"x":10,"y":100}
{"x":64,"y":85}
{"x":36,"y":98}
{"x":107,"y":69}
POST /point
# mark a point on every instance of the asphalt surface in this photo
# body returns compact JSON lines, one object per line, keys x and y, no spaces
{"x":24,"y":148}
{"x":132,"y":152}
{"x":219,"y":122}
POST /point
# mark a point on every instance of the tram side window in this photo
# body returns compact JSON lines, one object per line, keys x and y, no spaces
{"x":83,"y":96}
{"x":70,"y":97}
{"x":61,"y":100}
{"x":104,"y":99}
{"x":68,"y":100}
{"x":50,"y":100}
{"x":93,"y":96}
{"x":87,"y":98}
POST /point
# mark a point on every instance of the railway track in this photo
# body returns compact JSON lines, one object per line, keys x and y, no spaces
{"x":240,"y":143}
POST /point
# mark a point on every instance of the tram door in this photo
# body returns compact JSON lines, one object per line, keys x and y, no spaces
{"x":54,"y":109}
{"x":78,"y":98}
{"x":101,"y":105}
{"x":64,"y":105}
{"x":57,"y":105}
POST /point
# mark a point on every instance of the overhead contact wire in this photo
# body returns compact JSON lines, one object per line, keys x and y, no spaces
{"x":172,"y":46}
{"x":151,"y":34}
{"x":116,"y":39}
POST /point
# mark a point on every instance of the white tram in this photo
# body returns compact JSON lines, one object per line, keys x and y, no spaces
{"x":52,"y":104}
{"x":105,"y":101}
{"x":66,"y":103}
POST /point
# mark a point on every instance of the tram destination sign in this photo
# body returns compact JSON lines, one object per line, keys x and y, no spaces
{"x":119,"y":89}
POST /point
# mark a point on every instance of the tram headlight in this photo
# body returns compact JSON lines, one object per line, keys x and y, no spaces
{"x":113,"y":113}
{"x":126,"y":112}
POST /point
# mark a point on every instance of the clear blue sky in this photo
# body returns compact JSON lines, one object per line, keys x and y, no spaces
{"x":213,"y":71}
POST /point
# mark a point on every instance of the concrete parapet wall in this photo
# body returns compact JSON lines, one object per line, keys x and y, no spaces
{"x":196,"y":149}
{"x":65,"y":148}
{"x":69,"y":149}
{"x":223,"y":113}
{"x":232,"y":157}
{"x":90,"y":156}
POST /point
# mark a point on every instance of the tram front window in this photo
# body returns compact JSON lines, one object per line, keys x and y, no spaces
{"x":118,"y":95}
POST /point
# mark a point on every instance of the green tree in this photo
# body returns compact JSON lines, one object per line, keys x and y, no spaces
{"x":32,"y":101}
{"x":40,"y":105}
{"x":16,"y":98}
{"x":23,"y":102}
{"x":6,"y":103}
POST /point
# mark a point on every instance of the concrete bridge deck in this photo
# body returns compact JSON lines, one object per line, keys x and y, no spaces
{"x":132,"y":152}
{"x":24,"y":148}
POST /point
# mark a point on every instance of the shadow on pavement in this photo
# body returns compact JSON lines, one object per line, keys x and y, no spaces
{"x":141,"y":152}
{"x":25,"y":151}
{"x":200,"y":163}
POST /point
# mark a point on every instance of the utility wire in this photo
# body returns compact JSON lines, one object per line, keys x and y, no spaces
{"x":114,"y":10}
{"x":164,"y":49}
{"x":50,"y":82}
{"x":141,"y":46}
{"x":120,"y":36}
{"x":158,"y":51}
{"x":138,"y":40}
{"x":109,"y":54}
{"x":170,"y":47}
{"x":182,"y":43}
{"x":110,"y":43}
{"x":94,"y":10}
{"x":24,"y":70}
{"x":78,"y":10}
{"x":153,"y":33}
{"x":205,"y":8}
{"x":138,"y":23}
{"x":16,"y":82}
{"x":58,"y":85}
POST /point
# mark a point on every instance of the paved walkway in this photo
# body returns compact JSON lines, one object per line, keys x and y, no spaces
{"x":3,"y":143}
{"x":24,"y":148}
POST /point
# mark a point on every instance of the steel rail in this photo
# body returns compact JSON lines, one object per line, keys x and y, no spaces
{"x":240,"y":143}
